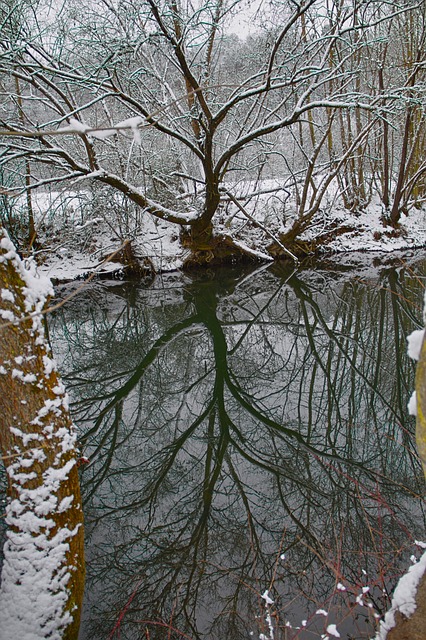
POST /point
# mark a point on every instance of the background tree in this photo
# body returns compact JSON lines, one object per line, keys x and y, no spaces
{"x":205,"y":112}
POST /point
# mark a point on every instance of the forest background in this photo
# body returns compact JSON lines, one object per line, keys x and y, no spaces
{"x":133,"y":122}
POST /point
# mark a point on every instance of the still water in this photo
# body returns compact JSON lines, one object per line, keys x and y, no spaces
{"x":247,"y":432}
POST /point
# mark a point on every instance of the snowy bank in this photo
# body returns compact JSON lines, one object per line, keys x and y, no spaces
{"x":75,"y":243}
{"x":404,"y":597}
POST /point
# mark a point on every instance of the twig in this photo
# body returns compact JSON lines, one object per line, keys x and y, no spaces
{"x":124,"y":610}
{"x":260,"y":225}
{"x":58,"y":305}
{"x":149,"y":120}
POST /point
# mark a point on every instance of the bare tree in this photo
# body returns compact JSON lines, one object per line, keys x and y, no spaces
{"x":155,"y":70}
{"x":411,"y":168}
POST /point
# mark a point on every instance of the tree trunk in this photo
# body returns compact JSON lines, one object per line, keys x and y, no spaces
{"x":32,"y":234}
{"x":42,"y":579}
{"x":385,"y":172}
{"x":421,"y":406}
{"x":202,"y":229}
{"x":395,"y":214}
{"x":202,"y":235}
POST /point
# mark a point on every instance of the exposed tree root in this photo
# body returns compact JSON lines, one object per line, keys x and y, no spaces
{"x":219,"y":250}
{"x":133,"y":266}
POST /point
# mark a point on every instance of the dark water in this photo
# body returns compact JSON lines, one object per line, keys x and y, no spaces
{"x":247,"y":430}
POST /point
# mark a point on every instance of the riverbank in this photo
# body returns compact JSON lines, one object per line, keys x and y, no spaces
{"x":74,"y":250}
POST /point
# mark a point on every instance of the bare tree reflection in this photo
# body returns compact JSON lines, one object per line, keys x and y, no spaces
{"x":231,"y":419}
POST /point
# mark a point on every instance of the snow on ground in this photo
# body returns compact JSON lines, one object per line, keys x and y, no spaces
{"x":78,"y":245}
{"x":75,"y":250}
{"x":370,"y":235}
{"x":64,"y":268}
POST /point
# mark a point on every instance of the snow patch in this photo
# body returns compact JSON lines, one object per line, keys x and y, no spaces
{"x":332,"y":630}
{"x":415,"y":341}
{"x":404,"y":597}
{"x":412,"y":404}
{"x":7,"y":315}
{"x":24,"y":377}
{"x":266,"y":598}
{"x":7,"y":295}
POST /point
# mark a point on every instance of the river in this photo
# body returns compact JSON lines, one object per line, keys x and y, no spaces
{"x":247,"y":432}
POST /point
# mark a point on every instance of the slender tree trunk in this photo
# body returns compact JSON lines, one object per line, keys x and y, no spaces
{"x":42,"y":578}
{"x":421,"y":406}
{"x":385,"y":167}
{"x":32,"y":234}
{"x":396,"y":212}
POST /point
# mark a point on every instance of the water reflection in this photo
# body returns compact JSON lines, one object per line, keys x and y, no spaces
{"x":247,"y":430}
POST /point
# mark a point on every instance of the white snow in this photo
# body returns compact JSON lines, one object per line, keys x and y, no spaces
{"x":35,"y":572}
{"x":266,"y":598}
{"x":28,"y":377}
{"x":26,"y":437}
{"x":33,"y":588}
{"x":359,"y":600}
{"x":133,"y":124}
{"x":7,"y":315}
{"x":75,"y":126}
{"x":412,"y":404}
{"x":404,"y":597}
{"x":7,"y":295}
{"x":103,"y":134}
{"x":49,"y":365}
{"x":332,"y":630}
{"x":415,"y":340}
